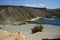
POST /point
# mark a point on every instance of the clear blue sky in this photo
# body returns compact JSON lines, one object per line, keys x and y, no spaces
{"x":46,"y":3}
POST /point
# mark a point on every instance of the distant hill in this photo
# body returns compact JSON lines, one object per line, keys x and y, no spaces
{"x":10,"y":14}
{"x":55,"y":12}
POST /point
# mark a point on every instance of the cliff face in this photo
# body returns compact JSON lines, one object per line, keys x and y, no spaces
{"x":11,"y":14}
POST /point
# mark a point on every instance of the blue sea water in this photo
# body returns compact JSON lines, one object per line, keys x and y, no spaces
{"x":51,"y":21}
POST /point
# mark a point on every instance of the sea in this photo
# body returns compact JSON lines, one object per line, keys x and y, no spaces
{"x":51,"y":21}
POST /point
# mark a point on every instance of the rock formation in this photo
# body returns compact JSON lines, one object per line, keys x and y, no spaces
{"x":37,"y":28}
{"x":4,"y":35}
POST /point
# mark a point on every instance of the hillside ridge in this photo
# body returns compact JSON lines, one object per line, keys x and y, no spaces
{"x":10,"y":14}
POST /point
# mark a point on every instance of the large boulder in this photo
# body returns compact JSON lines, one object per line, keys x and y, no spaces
{"x":37,"y":28}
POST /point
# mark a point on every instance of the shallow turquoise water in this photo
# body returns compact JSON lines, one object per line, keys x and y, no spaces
{"x":51,"y":21}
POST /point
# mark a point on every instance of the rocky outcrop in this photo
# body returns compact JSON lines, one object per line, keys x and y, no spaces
{"x":12,"y":14}
{"x":4,"y":35}
{"x":37,"y":28}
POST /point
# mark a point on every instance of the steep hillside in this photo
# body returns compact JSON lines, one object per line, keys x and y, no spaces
{"x":12,"y":14}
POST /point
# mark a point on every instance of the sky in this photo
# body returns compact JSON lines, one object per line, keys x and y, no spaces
{"x":33,"y":3}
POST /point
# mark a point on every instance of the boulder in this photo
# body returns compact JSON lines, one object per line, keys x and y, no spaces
{"x":37,"y":28}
